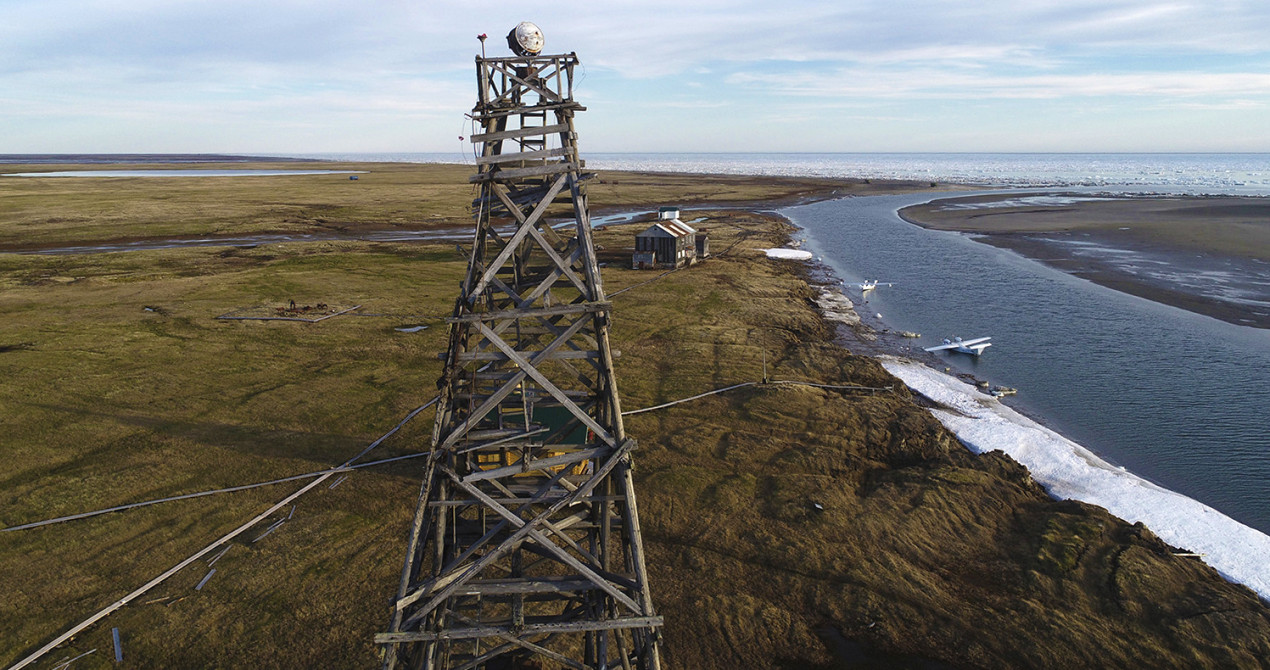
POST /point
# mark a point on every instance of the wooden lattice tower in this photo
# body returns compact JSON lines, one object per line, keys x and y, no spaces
{"x":526,"y":542}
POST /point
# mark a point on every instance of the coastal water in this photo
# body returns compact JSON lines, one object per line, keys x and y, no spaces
{"x":1236,"y":174}
{"x":1175,"y":397}
{"x":1225,"y":173}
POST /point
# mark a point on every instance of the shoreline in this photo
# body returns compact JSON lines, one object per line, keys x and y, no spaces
{"x":1066,"y":469}
{"x":1069,"y":471}
{"x":978,"y":524}
{"x":1209,"y":255}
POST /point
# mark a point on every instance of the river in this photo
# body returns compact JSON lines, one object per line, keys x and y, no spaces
{"x":1173,"y":396}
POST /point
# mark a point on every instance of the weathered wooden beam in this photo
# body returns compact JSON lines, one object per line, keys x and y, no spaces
{"x":493,"y":112}
{"x":634,"y":537}
{"x":461,"y":430}
{"x":527,"y":629}
{"x":499,"y":159}
{"x":525,"y":465}
{"x":476,"y":395}
{"x":526,"y":194}
{"x":499,"y":587}
{"x":481,"y":356}
{"x":534,"y":312}
{"x":548,"y":282}
{"x":514,"y":242}
{"x":556,"y":60}
{"x":541,"y":493}
{"x":530,"y":646}
{"x":520,"y":132}
{"x":560,"y":263}
{"x":517,"y":173}
{"x":529,"y":368}
{"x":519,"y":500}
{"x":529,"y":78}
{"x":456,"y":576}
{"x":499,"y":434}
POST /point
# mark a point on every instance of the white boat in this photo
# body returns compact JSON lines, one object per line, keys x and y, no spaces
{"x":973,"y":347}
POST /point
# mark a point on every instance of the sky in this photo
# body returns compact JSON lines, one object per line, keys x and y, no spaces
{"x":284,"y":76}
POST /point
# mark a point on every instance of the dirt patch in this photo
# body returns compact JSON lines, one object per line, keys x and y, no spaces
{"x":289,"y":311}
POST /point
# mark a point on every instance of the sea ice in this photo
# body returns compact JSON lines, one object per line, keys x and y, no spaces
{"x":1068,"y":470}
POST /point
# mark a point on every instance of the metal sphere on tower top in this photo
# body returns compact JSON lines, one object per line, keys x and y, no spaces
{"x":525,"y":39}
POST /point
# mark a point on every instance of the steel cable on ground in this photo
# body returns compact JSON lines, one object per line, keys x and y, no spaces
{"x":348,"y":467}
{"x":321,"y":477}
{"x":683,"y":400}
{"x":232,"y":489}
{"x":775,"y":382}
{"x":103,"y":613}
{"x":646,"y":281}
{"x":345,"y":467}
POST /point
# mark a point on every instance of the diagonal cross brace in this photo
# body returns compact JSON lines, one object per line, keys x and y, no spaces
{"x":542,"y":492}
{"x":516,"y":642}
{"x":508,"y":387}
{"x":562,"y":266}
{"x":513,"y":540}
{"x":546,"y":543}
{"x":517,"y":238}
{"x":528,"y":367}
{"x":526,"y":81}
{"x":560,"y":263}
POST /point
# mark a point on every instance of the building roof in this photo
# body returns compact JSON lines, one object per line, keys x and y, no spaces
{"x":671,"y":227}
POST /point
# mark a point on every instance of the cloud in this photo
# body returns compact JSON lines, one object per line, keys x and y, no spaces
{"x":926,"y":83}
{"x":1225,"y":106}
{"x":341,"y":63}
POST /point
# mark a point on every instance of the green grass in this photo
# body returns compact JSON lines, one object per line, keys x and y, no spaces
{"x":52,"y":211}
{"x":920,"y":549}
{"x":108,"y":403}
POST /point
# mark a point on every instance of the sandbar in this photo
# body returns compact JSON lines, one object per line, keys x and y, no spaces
{"x":1209,"y":255}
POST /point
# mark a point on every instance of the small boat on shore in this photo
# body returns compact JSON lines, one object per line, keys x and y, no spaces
{"x":973,"y":347}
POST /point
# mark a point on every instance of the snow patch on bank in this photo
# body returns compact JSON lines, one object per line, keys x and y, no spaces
{"x":790,"y":254}
{"x":1068,"y":470}
{"x":837,"y":307}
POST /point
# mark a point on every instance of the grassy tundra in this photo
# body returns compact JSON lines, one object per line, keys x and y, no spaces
{"x":121,"y":385}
